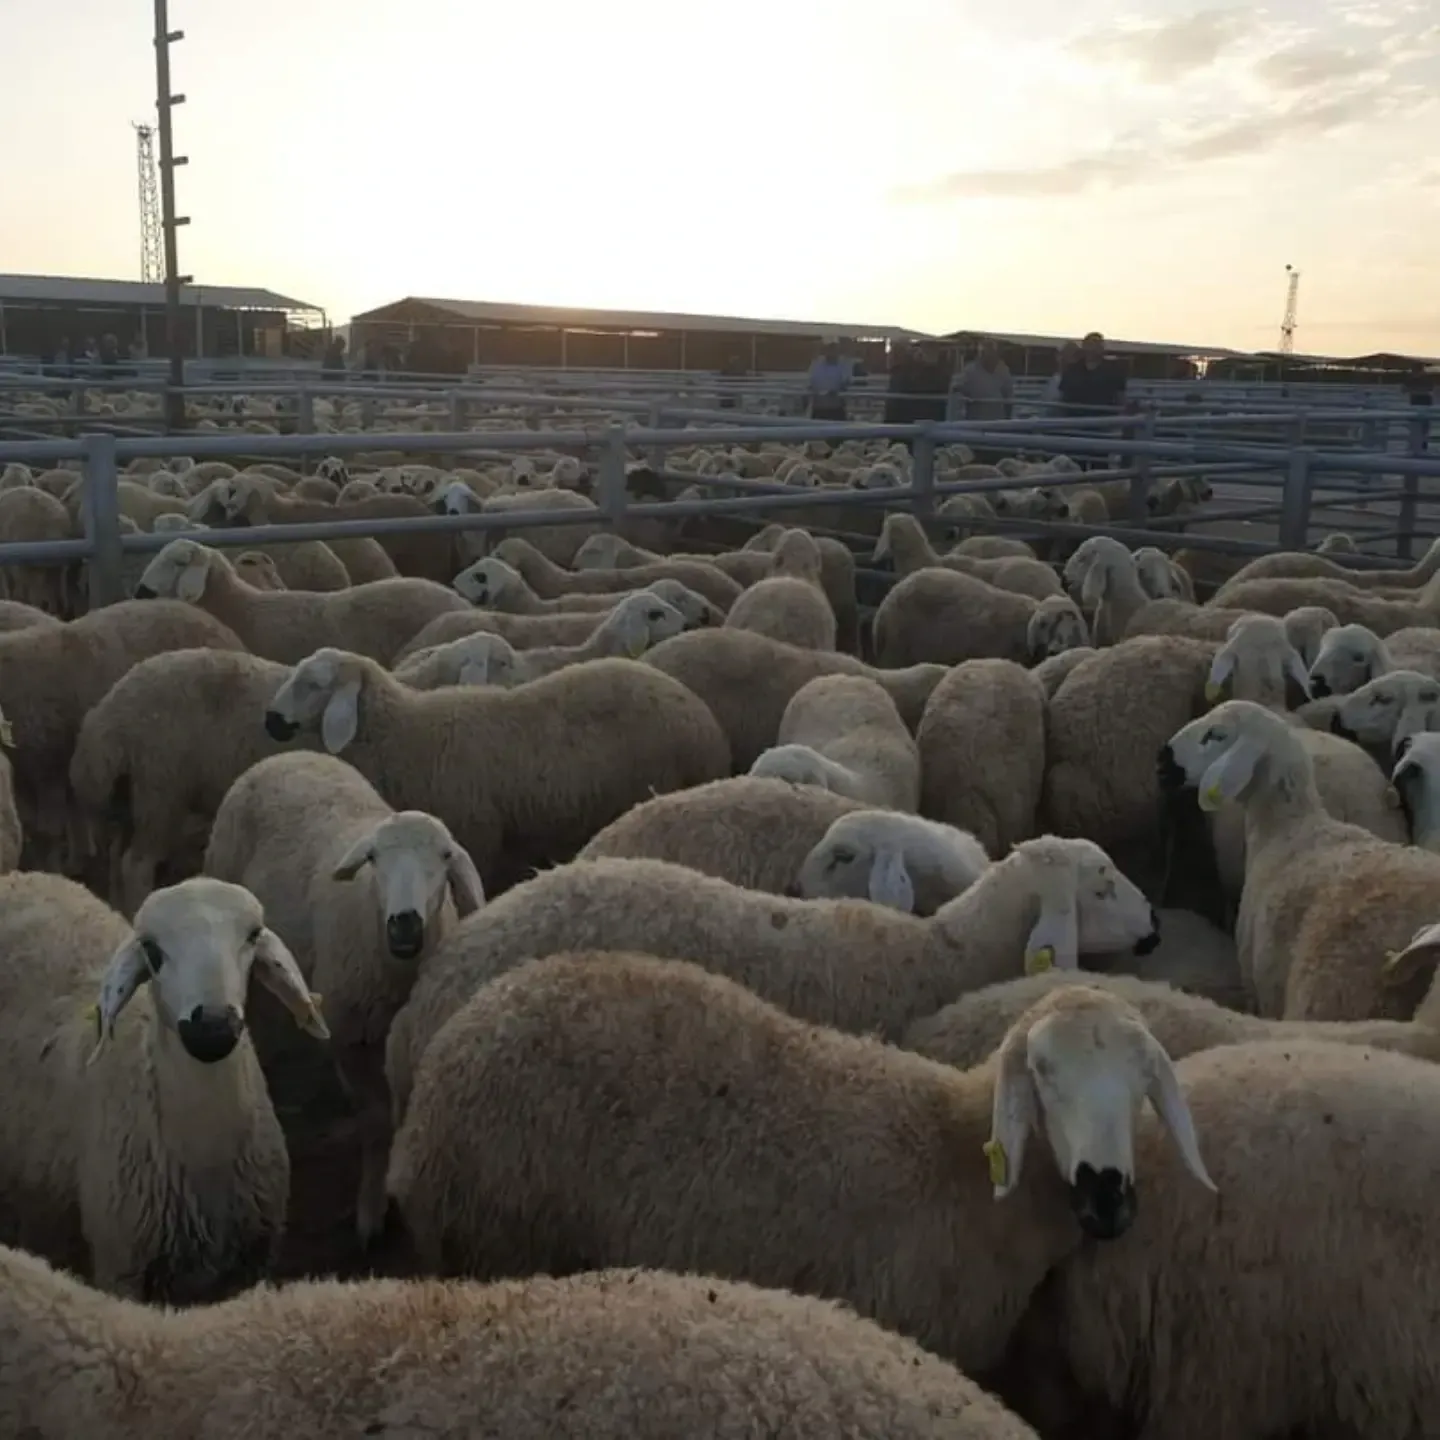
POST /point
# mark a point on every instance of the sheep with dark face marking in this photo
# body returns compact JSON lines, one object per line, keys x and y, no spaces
{"x":147,"y":1151}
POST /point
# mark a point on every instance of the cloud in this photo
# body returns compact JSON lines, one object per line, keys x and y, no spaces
{"x":1280,"y":93}
{"x":1166,"y":50}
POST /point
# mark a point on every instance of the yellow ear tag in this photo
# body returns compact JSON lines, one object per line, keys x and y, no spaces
{"x":638,"y":646}
{"x":999,"y":1165}
{"x":92,"y":1017}
{"x":1213,"y":691}
{"x":1211,"y":798}
{"x":1037,"y":962}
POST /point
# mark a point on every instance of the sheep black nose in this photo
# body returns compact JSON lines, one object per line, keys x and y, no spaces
{"x":1319,"y":687}
{"x":277,"y":727}
{"x":1171,"y":776}
{"x":210,"y":1035}
{"x":144,"y":592}
{"x":1103,"y":1200}
{"x":1152,"y":940}
{"x":405,"y":934}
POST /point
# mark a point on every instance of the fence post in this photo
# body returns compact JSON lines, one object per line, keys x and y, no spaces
{"x":1137,"y":509}
{"x":611,"y":495}
{"x":304,"y":412}
{"x":102,"y":521}
{"x":1295,"y":501}
{"x":1410,"y":492}
{"x":656,"y":421}
{"x":459,"y":417}
{"x":922,"y":472}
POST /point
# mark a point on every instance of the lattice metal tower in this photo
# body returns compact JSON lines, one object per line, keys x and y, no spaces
{"x":152,"y":261}
{"x":1292,"y":299}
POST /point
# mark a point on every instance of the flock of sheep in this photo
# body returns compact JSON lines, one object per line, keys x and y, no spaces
{"x":746,"y":1009}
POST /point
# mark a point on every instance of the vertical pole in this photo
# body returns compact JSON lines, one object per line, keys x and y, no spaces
{"x":1138,"y":510}
{"x":1295,"y":501}
{"x":1410,"y":492}
{"x":165,"y":102}
{"x":102,"y":521}
{"x":922,"y":472}
{"x":610,"y":491}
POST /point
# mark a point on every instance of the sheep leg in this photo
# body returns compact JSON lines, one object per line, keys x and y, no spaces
{"x":362,"y":1072}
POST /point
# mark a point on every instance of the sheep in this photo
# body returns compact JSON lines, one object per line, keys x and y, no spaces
{"x":1307,"y":565}
{"x":30,"y":515}
{"x":549,"y":582}
{"x":1055,"y":627}
{"x":609,"y":1355}
{"x":1385,"y":711}
{"x":1103,"y":575}
{"x":1350,"y":655}
{"x":1416,"y":778}
{"x":789,"y":605}
{"x":492,"y":583}
{"x":753,"y":832}
{"x":973,"y":1027}
{"x":630,"y":628}
{"x":982,"y":752}
{"x":12,"y":832}
{"x":940,"y":617}
{"x":1350,"y":606}
{"x":522,"y":775}
{"x":251,"y":500}
{"x":165,"y":744}
{"x":849,"y":736}
{"x":1052,"y":673}
{"x":1046,"y":903}
{"x":837,"y":579}
{"x":293,"y":830}
{"x":1254,"y":664}
{"x":1122,"y":703}
{"x":747,"y":680}
{"x":1307,"y":628}
{"x":1160,"y":577}
{"x":1322,"y":898}
{"x":855,"y":859}
{"x":50,"y":676}
{"x":556,"y":543}
{"x":479,"y":659}
{"x":259,"y":571}
{"x":16,"y":616}
{"x":147,"y":1141}
{"x":674,"y":1073}
{"x":1303,"y":1303}
{"x":287,"y":625}
{"x":902,"y":540}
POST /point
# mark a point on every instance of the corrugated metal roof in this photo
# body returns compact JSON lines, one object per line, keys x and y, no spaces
{"x":1117,"y":347}
{"x":483,"y":312}
{"x":74,"y":290}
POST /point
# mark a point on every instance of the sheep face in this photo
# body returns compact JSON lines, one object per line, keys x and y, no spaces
{"x":1157,"y":575}
{"x":799,"y":764}
{"x":196,"y":945}
{"x":1222,"y":754}
{"x":1056,"y":626}
{"x":258,"y":571}
{"x":1350,"y":656}
{"x":1416,"y":779}
{"x":695,"y":610}
{"x":479,"y":659}
{"x":456,"y":498}
{"x":1382,"y":712}
{"x":416,"y":862}
{"x":642,"y":620}
{"x":600,"y":552}
{"x":797,"y":555}
{"x":178,"y":572}
{"x":1076,"y":1067}
{"x":1257,"y":656}
{"x":324,"y":690}
{"x":332,"y":467}
{"x":490,"y":583}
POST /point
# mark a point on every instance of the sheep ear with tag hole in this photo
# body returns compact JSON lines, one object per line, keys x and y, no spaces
{"x":1295,"y":669}
{"x":276,"y":969}
{"x":341,"y":718}
{"x":890,"y":882}
{"x":356,"y":857}
{"x":1093,"y":587}
{"x":1221,"y":669}
{"x":191,"y":584}
{"x":1228,"y":776}
{"x":127,"y":971}
{"x":1054,"y":942}
{"x":1014,"y":1113}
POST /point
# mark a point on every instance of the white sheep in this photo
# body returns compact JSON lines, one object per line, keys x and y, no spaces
{"x":147,"y":1140}
{"x":1049,"y":902}
{"x":1351,"y":655}
{"x":293,"y":830}
{"x":843,"y":733}
{"x":1416,"y":778}
{"x":483,"y":658}
{"x":790,"y":605}
{"x":660,"y":1072}
{"x":857,"y":856}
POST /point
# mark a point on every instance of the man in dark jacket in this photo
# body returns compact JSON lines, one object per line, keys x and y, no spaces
{"x":1093,"y":385}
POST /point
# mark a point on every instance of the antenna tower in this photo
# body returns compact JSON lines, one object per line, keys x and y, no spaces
{"x":1292,"y":298}
{"x":152,"y":264}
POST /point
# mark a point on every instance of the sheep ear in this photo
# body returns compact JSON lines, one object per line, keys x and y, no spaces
{"x":1295,"y":669}
{"x":358,"y":855}
{"x":127,"y":971}
{"x":191,"y":584}
{"x":341,"y":718}
{"x":1092,"y":587}
{"x":1228,"y":776}
{"x":1169,"y":1104}
{"x":882,"y":545}
{"x":890,"y":882}
{"x":1054,"y":942}
{"x":274,"y":967}
{"x":637,"y":642}
{"x":473,"y":672}
{"x":1014,"y":1112}
{"x":1423,"y":950}
{"x":1221,"y":669}
{"x":466,"y":887}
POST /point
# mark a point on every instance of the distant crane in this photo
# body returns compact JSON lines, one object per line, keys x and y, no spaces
{"x":152,"y":263}
{"x":1292,"y":299}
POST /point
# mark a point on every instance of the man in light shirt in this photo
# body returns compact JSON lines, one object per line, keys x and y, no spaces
{"x":829,"y":380}
{"x":987,"y":390}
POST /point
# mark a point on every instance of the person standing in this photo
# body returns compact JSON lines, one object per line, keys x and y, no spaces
{"x":1050,"y":395}
{"x":830,"y":377}
{"x":987,"y":391}
{"x":1094,"y":385}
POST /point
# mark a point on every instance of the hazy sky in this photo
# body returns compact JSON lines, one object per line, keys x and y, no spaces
{"x":1031,"y":165}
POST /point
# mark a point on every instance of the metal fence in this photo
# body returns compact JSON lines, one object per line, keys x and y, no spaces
{"x":1291,"y":480}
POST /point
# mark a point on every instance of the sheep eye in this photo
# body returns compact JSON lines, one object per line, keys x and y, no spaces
{"x":1212,"y":735}
{"x":154,"y":955}
{"x":1380,"y":700}
{"x":654,"y":615}
{"x":842,"y":856}
{"x":253,"y":938}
